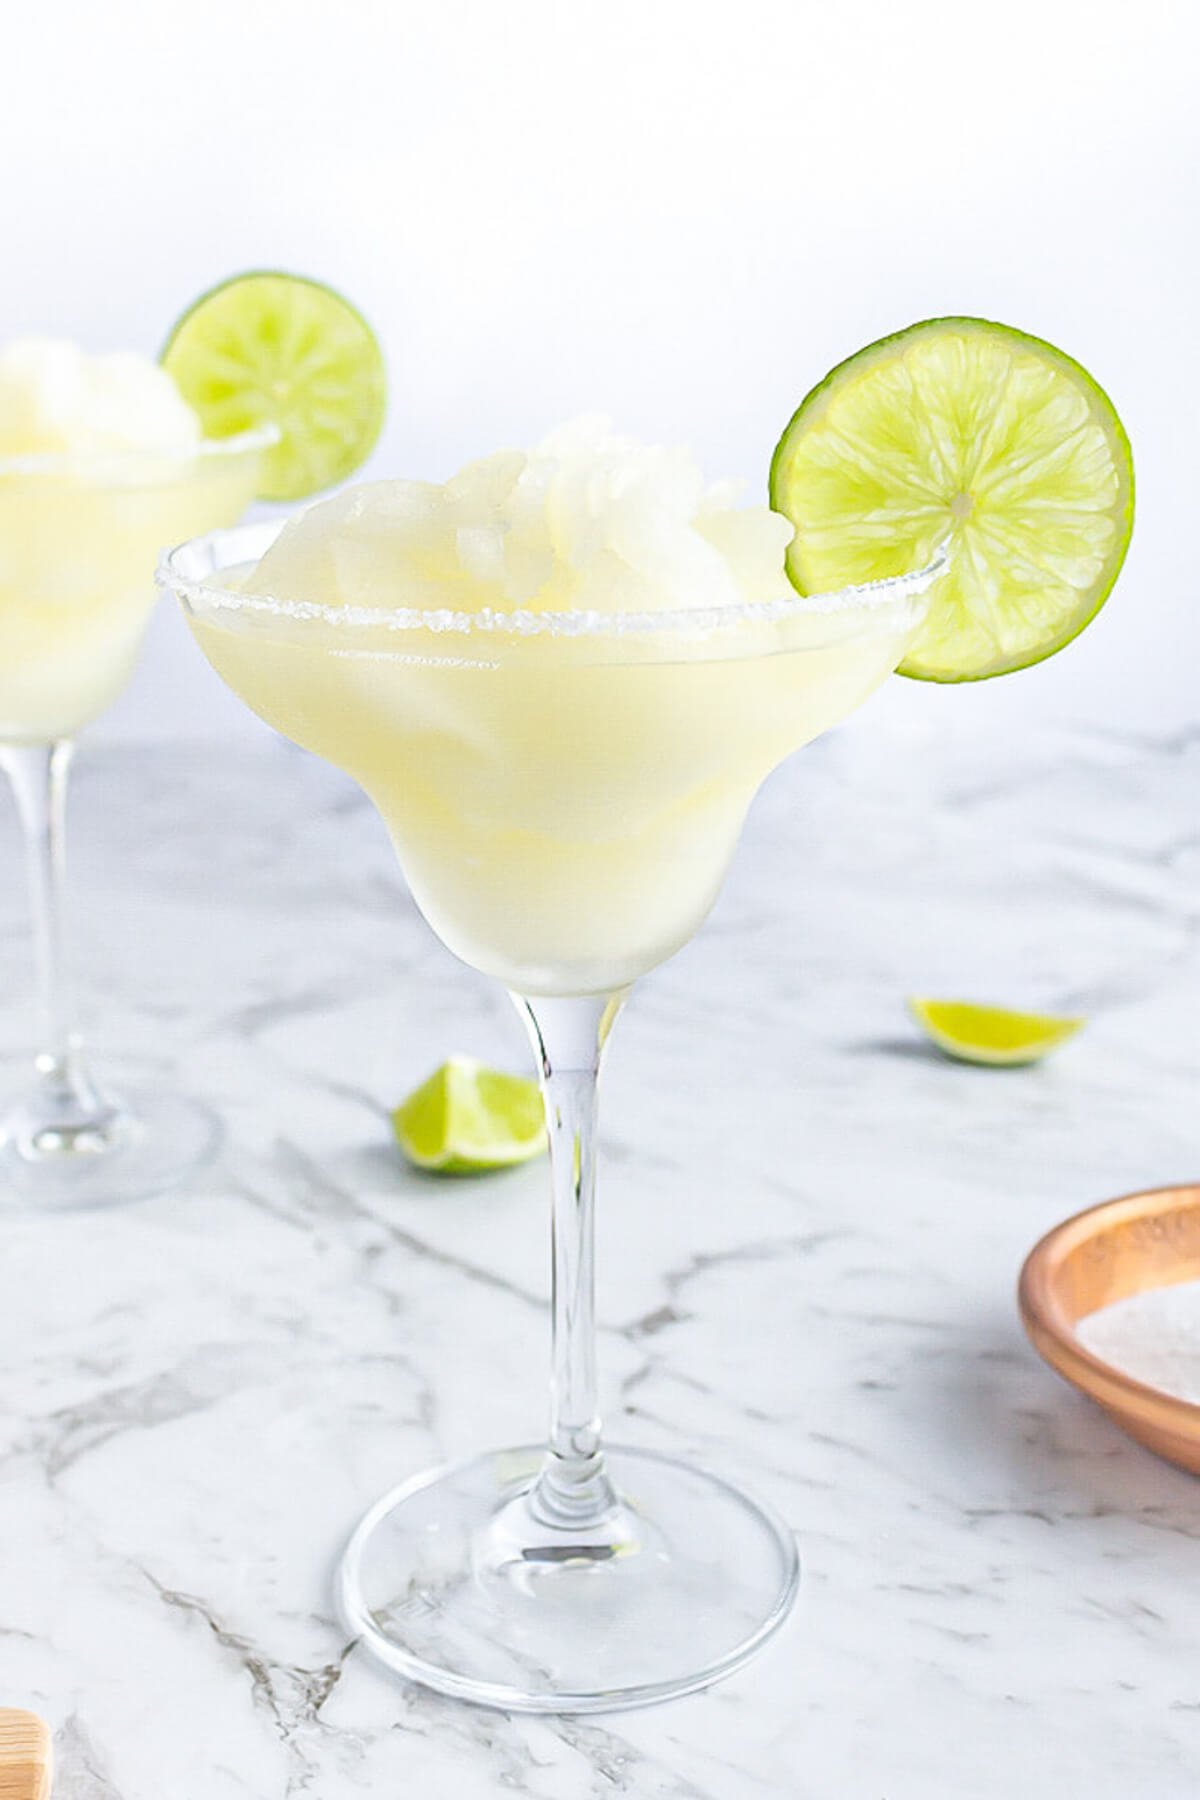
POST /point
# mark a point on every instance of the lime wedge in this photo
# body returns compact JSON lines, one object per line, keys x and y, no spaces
{"x":961,"y":431}
{"x":274,"y":349}
{"x":990,"y":1034}
{"x":467,"y":1118}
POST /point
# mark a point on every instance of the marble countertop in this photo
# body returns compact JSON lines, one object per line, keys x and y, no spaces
{"x":810,"y":1232}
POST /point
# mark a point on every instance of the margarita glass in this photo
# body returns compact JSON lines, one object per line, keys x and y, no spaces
{"x":565,"y":790}
{"x":79,"y":534}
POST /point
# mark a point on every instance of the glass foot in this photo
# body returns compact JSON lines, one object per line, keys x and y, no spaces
{"x":452,"y":1581}
{"x":128,"y":1151}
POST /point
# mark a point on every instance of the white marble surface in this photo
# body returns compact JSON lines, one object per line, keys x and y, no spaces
{"x":811,"y":1229}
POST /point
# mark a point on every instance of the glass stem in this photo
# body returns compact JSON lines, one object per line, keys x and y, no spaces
{"x":568,"y":1037}
{"x":38,"y":773}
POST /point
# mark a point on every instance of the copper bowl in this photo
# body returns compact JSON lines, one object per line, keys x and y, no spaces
{"x":1145,"y":1240}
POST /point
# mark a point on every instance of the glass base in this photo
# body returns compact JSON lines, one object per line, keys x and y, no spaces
{"x":452,"y":1581}
{"x":141,"y":1146}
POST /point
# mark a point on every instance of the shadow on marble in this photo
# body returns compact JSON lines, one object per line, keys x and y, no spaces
{"x":905,"y":1049}
{"x":1042,"y":1450}
{"x":378,"y":1171}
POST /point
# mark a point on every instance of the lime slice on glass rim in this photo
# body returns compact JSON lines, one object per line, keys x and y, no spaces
{"x":280,"y":350}
{"x":963,"y":432}
{"x":467,"y":1118}
{"x":992,"y":1034}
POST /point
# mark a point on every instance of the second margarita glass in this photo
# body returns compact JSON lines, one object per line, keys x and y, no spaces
{"x":79,"y":535}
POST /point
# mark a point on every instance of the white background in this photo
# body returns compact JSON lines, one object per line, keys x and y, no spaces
{"x":681,"y":213}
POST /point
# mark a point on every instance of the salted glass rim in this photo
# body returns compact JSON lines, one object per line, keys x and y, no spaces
{"x":235,"y":546}
{"x":138,"y":460}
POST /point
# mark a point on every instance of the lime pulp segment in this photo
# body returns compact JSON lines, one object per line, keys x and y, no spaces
{"x":281,"y":350}
{"x":467,"y":1118}
{"x":974,"y":434}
